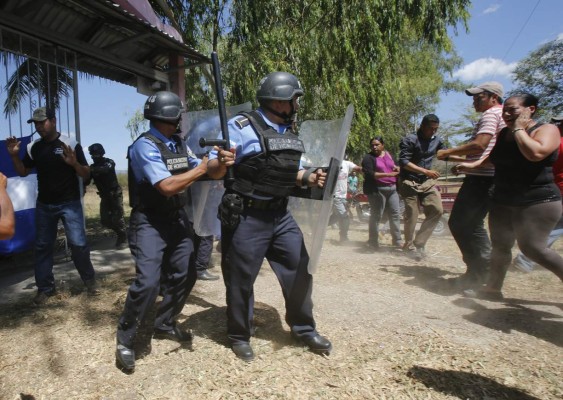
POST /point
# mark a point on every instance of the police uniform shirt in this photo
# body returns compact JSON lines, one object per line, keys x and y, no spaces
{"x":146,"y":159}
{"x":246,"y":141}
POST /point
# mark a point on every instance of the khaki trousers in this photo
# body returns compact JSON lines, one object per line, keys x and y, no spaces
{"x":420,"y":194}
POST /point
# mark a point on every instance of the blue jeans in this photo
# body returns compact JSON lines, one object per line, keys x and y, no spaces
{"x":46,"y":220}
{"x":340,"y":213}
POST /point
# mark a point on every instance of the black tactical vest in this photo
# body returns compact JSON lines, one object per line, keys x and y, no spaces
{"x":103,"y":173}
{"x":143,"y":195}
{"x":274,"y":171}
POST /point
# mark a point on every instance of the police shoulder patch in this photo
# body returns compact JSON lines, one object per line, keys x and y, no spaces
{"x":241,"y":122}
{"x":153,"y":155}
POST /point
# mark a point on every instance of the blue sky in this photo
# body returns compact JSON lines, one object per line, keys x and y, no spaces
{"x":501,"y":33}
{"x":105,"y":109}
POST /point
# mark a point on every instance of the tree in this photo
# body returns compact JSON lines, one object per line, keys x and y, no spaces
{"x":419,"y":79}
{"x":541,"y":73}
{"x":460,"y":130}
{"x":203,"y":25}
{"x":136,"y":124}
{"x":52,"y":83}
{"x":345,"y":52}
{"x":387,"y":58}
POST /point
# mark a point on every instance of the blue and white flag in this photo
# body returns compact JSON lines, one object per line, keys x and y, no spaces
{"x":23,"y":193}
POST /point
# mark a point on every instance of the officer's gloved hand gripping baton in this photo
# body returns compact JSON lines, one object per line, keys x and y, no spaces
{"x":225,"y":142}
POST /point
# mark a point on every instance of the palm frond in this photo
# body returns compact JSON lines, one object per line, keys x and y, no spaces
{"x":35,"y":77}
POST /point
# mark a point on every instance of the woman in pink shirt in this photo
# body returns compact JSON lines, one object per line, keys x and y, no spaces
{"x":385,"y":198}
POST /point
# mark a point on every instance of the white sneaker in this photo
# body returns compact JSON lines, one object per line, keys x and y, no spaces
{"x":416,"y":254}
{"x":419,"y":254}
{"x":522,"y":264}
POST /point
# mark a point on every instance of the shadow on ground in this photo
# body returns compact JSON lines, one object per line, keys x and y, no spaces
{"x":211,"y":323}
{"x":424,"y":276}
{"x":514,"y":315}
{"x":466,"y":385}
{"x":517,"y":314}
{"x":17,"y":283}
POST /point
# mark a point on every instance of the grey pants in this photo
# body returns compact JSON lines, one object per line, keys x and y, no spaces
{"x":386,"y":200}
{"x":530,"y":227}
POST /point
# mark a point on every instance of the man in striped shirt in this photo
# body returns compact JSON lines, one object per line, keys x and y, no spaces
{"x":472,"y":203}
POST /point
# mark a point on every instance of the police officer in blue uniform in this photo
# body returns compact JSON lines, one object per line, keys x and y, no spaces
{"x":161,"y":167}
{"x":254,"y":216}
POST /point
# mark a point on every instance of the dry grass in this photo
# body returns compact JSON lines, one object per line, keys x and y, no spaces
{"x":399,"y":332}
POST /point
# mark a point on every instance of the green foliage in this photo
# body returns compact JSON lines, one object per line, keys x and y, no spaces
{"x":202,"y":23}
{"x":31,"y":76}
{"x":387,"y":58}
{"x":137,"y":124}
{"x":460,"y":130}
{"x":541,"y":73}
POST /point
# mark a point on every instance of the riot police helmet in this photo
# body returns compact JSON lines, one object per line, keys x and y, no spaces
{"x":279,"y":86}
{"x":96,"y":150}
{"x":164,"y":106}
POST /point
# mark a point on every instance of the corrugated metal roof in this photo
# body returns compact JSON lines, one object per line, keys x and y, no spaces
{"x":110,"y":41}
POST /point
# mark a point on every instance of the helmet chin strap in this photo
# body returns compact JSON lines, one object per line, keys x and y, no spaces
{"x":287,"y":118}
{"x":177,"y":125}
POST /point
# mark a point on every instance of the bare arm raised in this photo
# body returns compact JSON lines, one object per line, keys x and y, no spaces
{"x":7,"y":219}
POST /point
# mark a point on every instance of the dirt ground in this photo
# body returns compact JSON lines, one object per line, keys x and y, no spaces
{"x":398,"y":331}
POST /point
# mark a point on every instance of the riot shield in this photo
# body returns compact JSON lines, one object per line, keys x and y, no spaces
{"x":325,"y":145}
{"x":205,"y":196}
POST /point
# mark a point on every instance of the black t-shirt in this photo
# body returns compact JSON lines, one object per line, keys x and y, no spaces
{"x":57,"y":181}
{"x":519,"y":181}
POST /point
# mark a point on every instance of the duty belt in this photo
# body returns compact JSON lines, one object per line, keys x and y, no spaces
{"x":261,"y":204}
{"x":162,"y":213}
{"x":417,"y":179}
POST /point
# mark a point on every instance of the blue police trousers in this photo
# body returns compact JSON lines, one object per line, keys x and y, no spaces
{"x":162,"y":247}
{"x":275,"y":236}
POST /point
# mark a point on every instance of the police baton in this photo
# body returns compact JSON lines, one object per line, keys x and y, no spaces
{"x":225,"y":142}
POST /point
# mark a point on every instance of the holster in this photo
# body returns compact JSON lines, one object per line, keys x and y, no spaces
{"x":229,"y":210}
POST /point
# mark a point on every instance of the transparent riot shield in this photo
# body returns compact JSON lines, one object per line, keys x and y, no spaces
{"x":206,"y":195}
{"x":325,"y":144}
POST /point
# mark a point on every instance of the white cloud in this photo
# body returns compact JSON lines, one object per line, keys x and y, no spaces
{"x":559,"y":37}
{"x":485,"y":67}
{"x":491,"y":9}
